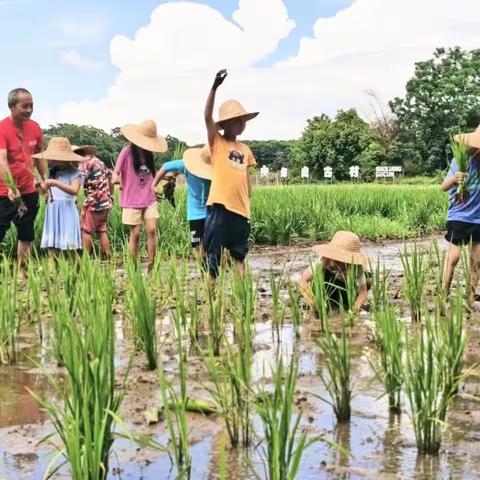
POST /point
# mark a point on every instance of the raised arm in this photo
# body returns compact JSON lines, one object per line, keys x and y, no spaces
{"x":210,"y":124}
{"x":455,"y":179}
{"x":159,"y":176}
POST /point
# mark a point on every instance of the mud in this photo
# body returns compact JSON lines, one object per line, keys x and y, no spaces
{"x":382,"y":446}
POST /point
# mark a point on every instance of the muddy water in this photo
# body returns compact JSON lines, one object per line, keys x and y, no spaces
{"x":382,"y":446}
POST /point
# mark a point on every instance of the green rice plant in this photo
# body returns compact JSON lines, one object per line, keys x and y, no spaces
{"x":466,"y":262}
{"x":351,"y":292}
{"x":85,"y":419}
{"x":195,"y":317}
{"x":67,"y":276}
{"x":438,"y":257}
{"x":231,"y":375}
{"x":281,"y":426}
{"x":141,"y":307}
{"x":337,"y":381}
{"x":461,"y":153}
{"x":278,"y":306}
{"x":9,"y":312}
{"x":379,"y":276}
{"x":295,"y":310}
{"x":61,"y":315}
{"x":389,"y":368}
{"x":215,"y":311}
{"x":429,"y":384}
{"x":321,"y":300}
{"x":415,"y":277}
{"x":18,"y":202}
{"x":175,"y":405}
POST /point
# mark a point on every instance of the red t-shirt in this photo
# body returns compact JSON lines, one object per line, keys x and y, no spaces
{"x":20,"y":145}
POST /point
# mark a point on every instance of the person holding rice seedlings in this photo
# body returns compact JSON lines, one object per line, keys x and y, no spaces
{"x":463,"y":217}
{"x":98,"y":188}
{"x":335,"y":259}
{"x":61,"y":227}
{"x":198,"y":173}
{"x":135,"y":171}
{"x":20,"y":137}
{"x":227,"y":226}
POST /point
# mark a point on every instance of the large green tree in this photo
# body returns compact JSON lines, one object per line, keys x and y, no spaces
{"x":275,"y":154}
{"x":340,"y":143}
{"x":442,"y":98}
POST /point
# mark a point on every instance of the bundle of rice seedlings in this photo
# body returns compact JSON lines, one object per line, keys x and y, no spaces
{"x":461,"y":153}
{"x":18,"y":202}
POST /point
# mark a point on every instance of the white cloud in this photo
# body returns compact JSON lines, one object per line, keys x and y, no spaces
{"x":77,"y":31}
{"x":165,"y":71}
{"x":74,"y":59}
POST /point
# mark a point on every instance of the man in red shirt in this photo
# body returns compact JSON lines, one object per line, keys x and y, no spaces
{"x":20,"y":137}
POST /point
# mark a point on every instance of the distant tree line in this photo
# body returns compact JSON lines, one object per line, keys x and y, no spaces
{"x":442,"y":98}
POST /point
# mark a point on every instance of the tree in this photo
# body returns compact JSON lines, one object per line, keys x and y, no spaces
{"x":441,"y":99}
{"x":340,"y":143}
{"x":274,"y":154}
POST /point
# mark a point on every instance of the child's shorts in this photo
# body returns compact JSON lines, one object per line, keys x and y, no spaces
{"x":197,"y":228}
{"x":94,"y":221}
{"x":462,"y":233}
{"x":136,"y":216}
{"x":224,"y":230}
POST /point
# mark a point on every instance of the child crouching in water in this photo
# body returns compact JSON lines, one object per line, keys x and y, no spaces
{"x":336,"y":257}
{"x":61,"y":228}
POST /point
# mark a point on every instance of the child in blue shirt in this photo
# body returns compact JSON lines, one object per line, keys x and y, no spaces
{"x":198,"y":173}
{"x":463,"y":218}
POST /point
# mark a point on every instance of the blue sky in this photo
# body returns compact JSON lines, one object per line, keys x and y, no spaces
{"x":34,"y":34}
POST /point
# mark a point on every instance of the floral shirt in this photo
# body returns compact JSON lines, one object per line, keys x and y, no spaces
{"x":96,"y":184}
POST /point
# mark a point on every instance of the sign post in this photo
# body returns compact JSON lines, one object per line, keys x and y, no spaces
{"x":284,"y":174}
{"x":328,"y":173}
{"x":387,"y":172}
{"x":305,"y":173}
{"x":354,"y":172}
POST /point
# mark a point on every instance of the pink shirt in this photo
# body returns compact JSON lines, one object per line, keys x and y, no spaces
{"x":136,"y":187}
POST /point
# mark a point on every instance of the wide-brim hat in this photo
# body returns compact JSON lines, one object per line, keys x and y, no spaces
{"x":60,"y":150}
{"x":85,"y":149}
{"x":472,"y":139}
{"x":233,"y":109}
{"x":145,"y":135}
{"x":197,"y":162}
{"x":343,"y":247}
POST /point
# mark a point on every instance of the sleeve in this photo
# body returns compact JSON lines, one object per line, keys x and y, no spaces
{"x":119,"y":166}
{"x":174,"y":166}
{"x":214,"y":148}
{"x":78,"y":174}
{"x":250,"y":158}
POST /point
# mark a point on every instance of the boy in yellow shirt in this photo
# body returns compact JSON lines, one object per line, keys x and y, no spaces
{"x":227,"y":225}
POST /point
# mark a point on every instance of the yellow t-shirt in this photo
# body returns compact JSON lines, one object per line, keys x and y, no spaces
{"x":230,"y":161}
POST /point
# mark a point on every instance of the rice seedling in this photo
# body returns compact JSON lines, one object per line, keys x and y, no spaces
{"x":61,"y":315}
{"x":466,"y":262}
{"x":9,"y":314}
{"x":295,"y":311}
{"x":438,"y":257}
{"x":337,"y":381}
{"x":415,"y":276}
{"x":461,"y":153}
{"x":141,"y":307}
{"x":216,"y":305}
{"x":34,"y":295}
{"x":389,"y":368}
{"x":18,"y":202}
{"x":90,"y":402}
{"x":278,"y":306}
{"x":379,"y":276}
{"x":320,"y":297}
{"x":231,"y":375}
{"x":175,"y":405}
{"x":429,"y":384}
{"x":351,"y":291}
{"x":281,"y":426}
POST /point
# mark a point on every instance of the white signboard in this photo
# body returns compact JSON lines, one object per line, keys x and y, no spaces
{"x":328,"y":172}
{"x":264,"y":171}
{"x":387,"y":172}
{"x":283,"y":172}
{"x":354,"y":171}
{"x":305,"y":172}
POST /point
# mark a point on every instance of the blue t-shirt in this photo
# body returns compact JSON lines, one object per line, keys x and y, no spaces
{"x":468,"y":211}
{"x":198,"y":189}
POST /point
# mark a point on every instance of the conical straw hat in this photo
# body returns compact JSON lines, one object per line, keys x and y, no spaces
{"x":60,"y":150}
{"x":197,"y":162}
{"x":145,"y":136}
{"x":343,"y":247}
{"x":233,"y":109}
{"x":472,"y":139}
{"x":85,"y":149}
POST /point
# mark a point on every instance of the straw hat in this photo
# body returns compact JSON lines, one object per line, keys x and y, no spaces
{"x":145,"y":136}
{"x":233,"y":109}
{"x":85,"y":149}
{"x":60,"y":150}
{"x":343,"y":247}
{"x":472,"y":139}
{"x":197,"y":162}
